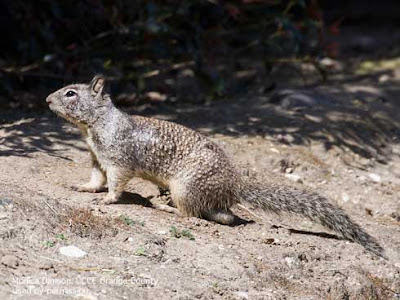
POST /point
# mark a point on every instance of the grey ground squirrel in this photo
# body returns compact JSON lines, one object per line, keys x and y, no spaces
{"x":202,"y":181}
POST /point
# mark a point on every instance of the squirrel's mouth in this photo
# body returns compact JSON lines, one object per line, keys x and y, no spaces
{"x":60,"y":114}
{"x":51,"y":107}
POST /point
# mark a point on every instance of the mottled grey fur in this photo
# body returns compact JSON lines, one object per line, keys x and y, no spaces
{"x":202,"y":180}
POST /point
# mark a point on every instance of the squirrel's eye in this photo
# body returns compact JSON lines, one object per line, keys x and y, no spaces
{"x":70,"y":94}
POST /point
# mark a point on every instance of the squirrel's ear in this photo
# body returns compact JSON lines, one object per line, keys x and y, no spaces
{"x":97,"y":85}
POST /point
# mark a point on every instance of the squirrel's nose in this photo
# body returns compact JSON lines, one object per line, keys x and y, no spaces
{"x":48,"y":100}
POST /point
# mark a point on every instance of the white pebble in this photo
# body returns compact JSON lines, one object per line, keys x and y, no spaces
{"x":72,"y":251}
{"x":374,"y":177}
{"x":294,"y":177}
{"x":242,"y":295}
{"x":345,"y":197}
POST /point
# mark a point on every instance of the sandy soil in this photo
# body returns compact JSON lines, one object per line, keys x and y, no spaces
{"x":340,"y":139}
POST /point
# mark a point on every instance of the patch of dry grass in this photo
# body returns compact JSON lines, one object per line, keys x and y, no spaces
{"x":57,"y":217}
{"x":83,"y":223}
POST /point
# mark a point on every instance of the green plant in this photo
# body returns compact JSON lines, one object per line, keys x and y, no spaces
{"x":130,"y":222}
{"x":140,"y":251}
{"x":175,"y":232}
{"x":52,"y":243}
{"x":49,"y":244}
{"x":61,"y":237}
{"x":126,"y":220}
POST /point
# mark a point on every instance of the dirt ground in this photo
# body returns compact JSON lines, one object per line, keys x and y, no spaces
{"x":340,"y":139}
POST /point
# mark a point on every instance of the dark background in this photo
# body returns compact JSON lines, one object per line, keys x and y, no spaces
{"x":180,"y":51}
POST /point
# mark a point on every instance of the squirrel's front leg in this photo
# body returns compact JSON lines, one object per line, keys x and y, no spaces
{"x":97,"y":179}
{"x":116,"y":180}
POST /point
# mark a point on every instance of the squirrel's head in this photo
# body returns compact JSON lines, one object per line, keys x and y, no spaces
{"x":79,"y":103}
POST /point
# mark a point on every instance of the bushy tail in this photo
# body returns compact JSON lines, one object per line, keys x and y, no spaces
{"x":290,"y":200}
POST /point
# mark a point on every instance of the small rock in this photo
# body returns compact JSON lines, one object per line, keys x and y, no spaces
{"x":187,"y":73}
{"x":294,"y":177}
{"x":5,"y":202}
{"x":156,"y":96}
{"x":384,"y":78}
{"x":10,"y":261}
{"x":289,"y":170}
{"x":254,"y":119}
{"x":49,"y":57}
{"x":313,"y":118}
{"x":269,"y":241}
{"x":330,"y":64}
{"x":375,"y":177}
{"x":345,"y":197}
{"x":72,"y":251}
{"x":288,"y":98}
{"x":362,"y":178}
{"x":275,"y":150}
{"x":293,"y":262}
{"x":365,"y":161}
{"x":130,"y":239}
{"x":285,"y":138}
{"x":396,"y":216}
{"x":368,"y":211}
{"x":231,"y":128}
{"x":302,"y":257}
{"x":242,"y":295}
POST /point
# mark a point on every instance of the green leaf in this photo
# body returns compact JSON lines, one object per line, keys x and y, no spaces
{"x":140,"y":251}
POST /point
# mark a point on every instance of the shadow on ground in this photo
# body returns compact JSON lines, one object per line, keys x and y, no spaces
{"x":357,"y":116}
{"x":23,"y":135}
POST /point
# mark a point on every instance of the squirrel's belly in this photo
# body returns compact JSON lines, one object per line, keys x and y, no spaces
{"x":157,"y":180}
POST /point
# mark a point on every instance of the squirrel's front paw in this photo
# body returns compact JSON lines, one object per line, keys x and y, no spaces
{"x":88,"y":187}
{"x":109,"y":199}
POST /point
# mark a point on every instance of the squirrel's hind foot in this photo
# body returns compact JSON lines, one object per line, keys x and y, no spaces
{"x":108,"y":199}
{"x":88,"y":188}
{"x":167,"y":208}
